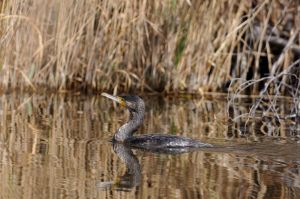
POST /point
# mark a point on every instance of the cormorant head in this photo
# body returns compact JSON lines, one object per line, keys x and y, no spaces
{"x":132,"y":102}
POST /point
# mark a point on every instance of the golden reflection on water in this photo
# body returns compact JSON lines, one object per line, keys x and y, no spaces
{"x":59,"y":147}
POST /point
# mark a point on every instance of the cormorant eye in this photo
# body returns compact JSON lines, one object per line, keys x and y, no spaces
{"x":122,"y":102}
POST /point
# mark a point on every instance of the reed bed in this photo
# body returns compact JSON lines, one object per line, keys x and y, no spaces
{"x":157,"y":46}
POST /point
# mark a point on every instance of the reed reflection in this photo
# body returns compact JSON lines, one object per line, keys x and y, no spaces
{"x":58,"y":146}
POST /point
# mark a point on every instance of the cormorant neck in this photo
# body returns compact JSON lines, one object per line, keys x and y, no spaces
{"x":126,"y":131}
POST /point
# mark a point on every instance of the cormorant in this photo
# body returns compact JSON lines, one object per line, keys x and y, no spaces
{"x":155,"y":142}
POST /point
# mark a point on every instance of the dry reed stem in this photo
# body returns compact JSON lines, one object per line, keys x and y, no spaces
{"x":170,"y":46}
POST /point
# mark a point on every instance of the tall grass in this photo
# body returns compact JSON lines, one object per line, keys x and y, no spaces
{"x":171,"y":45}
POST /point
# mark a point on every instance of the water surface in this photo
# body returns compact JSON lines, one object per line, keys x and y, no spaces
{"x":58,"y":146}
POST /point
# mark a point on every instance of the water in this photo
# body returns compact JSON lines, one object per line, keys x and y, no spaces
{"x":58,"y":146}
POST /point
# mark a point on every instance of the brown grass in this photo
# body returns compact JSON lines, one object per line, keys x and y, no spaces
{"x":171,"y":45}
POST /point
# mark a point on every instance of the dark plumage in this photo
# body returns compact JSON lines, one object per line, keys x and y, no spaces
{"x":124,"y":134}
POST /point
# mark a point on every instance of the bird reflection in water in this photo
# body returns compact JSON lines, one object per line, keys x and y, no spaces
{"x":123,"y":141}
{"x":132,"y":175}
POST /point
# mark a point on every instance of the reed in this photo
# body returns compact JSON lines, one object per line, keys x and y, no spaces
{"x":170,"y":46}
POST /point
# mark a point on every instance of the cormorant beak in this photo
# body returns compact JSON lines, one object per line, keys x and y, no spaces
{"x":117,"y":99}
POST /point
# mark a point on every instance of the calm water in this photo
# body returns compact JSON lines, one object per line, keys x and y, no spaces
{"x":59,"y":147}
